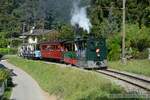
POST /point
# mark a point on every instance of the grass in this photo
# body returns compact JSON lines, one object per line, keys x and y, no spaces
{"x":68,"y":83}
{"x":134,"y":66}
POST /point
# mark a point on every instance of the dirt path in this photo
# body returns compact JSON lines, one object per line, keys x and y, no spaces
{"x":26,"y":88}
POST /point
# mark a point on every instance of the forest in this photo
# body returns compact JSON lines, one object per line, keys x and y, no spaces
{"x":105,"y":16}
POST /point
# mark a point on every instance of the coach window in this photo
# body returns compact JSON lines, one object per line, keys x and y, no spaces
{"x":56,"y":47}
{"x":44,"y":47}
{"x":52,"y":47}
{"x":70,"y":46}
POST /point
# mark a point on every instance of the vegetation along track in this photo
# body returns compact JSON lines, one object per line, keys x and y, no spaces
{"x":131,"y":79}
{"x":128,"y":78}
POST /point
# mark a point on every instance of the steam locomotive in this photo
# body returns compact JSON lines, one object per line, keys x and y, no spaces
{"x":86,"y":53}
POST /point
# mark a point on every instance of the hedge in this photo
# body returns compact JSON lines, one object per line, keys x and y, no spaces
{"x":5,"y":51}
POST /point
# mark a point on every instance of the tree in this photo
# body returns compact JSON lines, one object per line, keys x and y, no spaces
{"x":66,"y":32}
{"x":137,"y":11}
{"x":9,"y":23}
{"x":105,"y":17}
{"x":146,"y":18}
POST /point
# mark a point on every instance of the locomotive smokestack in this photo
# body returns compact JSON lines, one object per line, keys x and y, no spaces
{"x":77,"y":31}
{"x":79,"y":16}
{"x":77,"y":28}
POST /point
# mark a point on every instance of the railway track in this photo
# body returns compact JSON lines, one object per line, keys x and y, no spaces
{"x":131,"y":79}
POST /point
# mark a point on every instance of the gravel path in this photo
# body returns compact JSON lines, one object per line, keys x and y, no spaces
{"x":26,"y":88}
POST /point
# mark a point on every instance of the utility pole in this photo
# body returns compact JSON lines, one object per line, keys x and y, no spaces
{"x":23,"y":30}
{"x":124,"y":33}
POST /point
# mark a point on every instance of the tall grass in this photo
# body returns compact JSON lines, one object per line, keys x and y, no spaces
{"x":135,"y":66}
{"x":3,"y":74}
{"x":68,"y":83}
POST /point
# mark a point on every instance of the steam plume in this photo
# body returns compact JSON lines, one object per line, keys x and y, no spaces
{"x":79,"y":16}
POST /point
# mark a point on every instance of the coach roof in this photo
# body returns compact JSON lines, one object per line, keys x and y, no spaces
{"x":38,"y":32}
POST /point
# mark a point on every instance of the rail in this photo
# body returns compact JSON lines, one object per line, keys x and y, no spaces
{"x":131,"y":79}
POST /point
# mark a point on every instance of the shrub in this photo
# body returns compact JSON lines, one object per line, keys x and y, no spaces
{"x":141,"y":55}
{"x":3,"y":74}
{"x":5,"y":51}
{"x":114,"y":48}
{"x":137,"y":39}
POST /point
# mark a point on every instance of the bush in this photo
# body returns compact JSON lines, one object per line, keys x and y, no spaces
{"x":3,"y":74}
{"x":137,"y":39}
{"x":114,"y":48}
{"x":141,"y":55}
{"x":5,"y":51}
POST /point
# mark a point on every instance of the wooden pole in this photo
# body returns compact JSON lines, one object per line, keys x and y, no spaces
{"x":124,"y":33}
{"x":23,"y":30}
